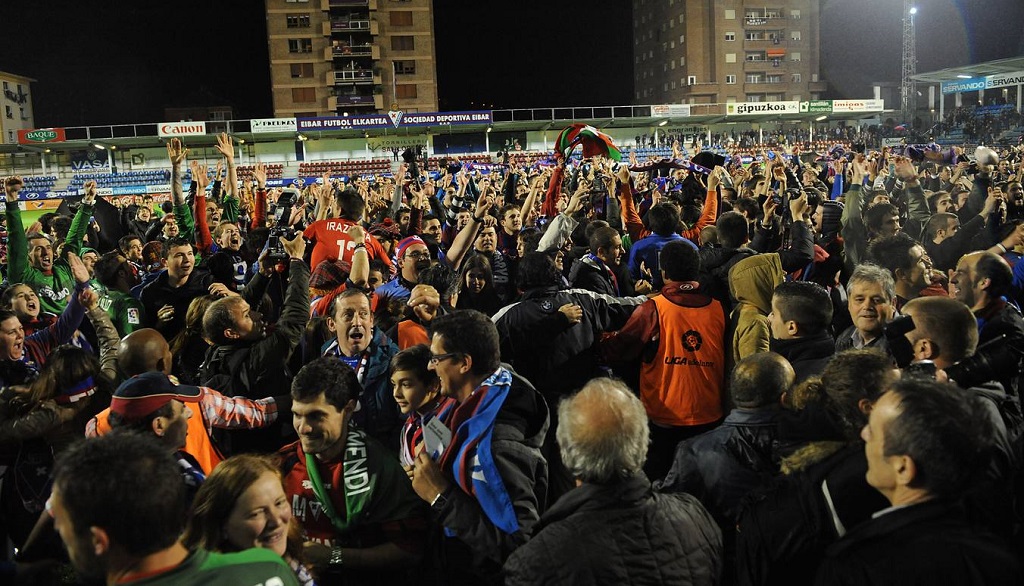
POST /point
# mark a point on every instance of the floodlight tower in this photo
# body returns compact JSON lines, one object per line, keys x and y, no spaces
{"x":908,"y":97}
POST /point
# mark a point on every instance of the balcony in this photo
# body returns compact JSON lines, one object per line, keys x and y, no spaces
{"x":764,"y":86}
{"x":767,"y":64}
{"x":761,"y":20}
{"x":328,"y":4}
{"x":344,"y":51}
{"x":354,"y":100}
{"x":351,"y":77}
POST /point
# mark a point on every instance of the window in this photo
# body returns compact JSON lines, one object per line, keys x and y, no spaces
{"x":773,"y":78}
{"x":755,"y":78}
{"x":6,"y":87}
{"x":796,"y":78}
{"x":795,"y":35}
{"x":730,"y":15}
{"x":298,"y":21}
{"x":405,"y":67}
{"x":682,"y":61}
{"x":405,"y":90}
{"x":754,"y":36}
{"x":814,"y":77}
{"x":9,"y":111}
{"x":794,"y":56}
{"x":755,"y":56}
{"x":730,"y":57}
{"x":796,"y":97}
{"x":682,"y":39}
{"x":303,"y":95}
{"x":755,"y":97}
{"x":730,"y":79}
{"x":302,"y":70}
{"x":300,"y":45}
{"x":294,"y":1}
{"x":794,"y":14}
{"x":401,"y":18}
{"x":403,"y":43}
{"x":691,"y":80}
{"x":673,"y":85}
{"x":730,"y":36}
{"x":21,"y":111}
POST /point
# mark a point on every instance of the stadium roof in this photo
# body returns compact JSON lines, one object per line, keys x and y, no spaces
{"x":1011,"y":65}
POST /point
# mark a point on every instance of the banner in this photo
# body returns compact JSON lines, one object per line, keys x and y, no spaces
{"x":816,"y":106}
{"x":396,"y":119}
{"x":857,"y":105}
{"x":670,"y":110}
{"x":88,"y":160}
{"x":260,"y":125}
{"x":974,"y":84}
{"x":168,"y":129}
{"x":396,"y":142}
{"x":761,"y":108}
{"x":41,"y":135}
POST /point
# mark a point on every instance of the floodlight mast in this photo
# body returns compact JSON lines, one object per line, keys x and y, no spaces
{"x":908,"y":97}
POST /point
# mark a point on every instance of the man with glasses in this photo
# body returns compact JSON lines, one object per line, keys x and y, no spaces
{"x":413,"y":256}
{"x":483,"y":476}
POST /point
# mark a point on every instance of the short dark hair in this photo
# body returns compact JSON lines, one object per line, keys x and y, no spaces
{"x":992,"y":266}
{"x":351,"y":204}
{"x":60,"y":226}
{"x":948,"y":323}
{"x":218,"y":318}
{"x":760,"y":379}
{"x":663,"y":218}
{"x":414,"y":359}
{"x":470,"y":333}
{"x":680,"y":261}
{"x":176,"y":242}
{"x":943,"y":430}
{"x":125,"y":241}
{"x":128,"y":484}
{"x":877,"y":213}
{"x":746,"y":204}
{"x":143,"y":425}
{"x":329,"y":376}
{"x":602,"y":238}
{"x":537,"y":269}
{"x":106,"y":268}
{"x":848,"y":378}
{"x":732,"y":229}
{"x":7,"y":297}
{"x":893,"y":252}
{"x":939,"y":221}
{"x":806,"y":303}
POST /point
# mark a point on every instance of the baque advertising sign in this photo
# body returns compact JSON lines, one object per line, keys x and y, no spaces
{"x":41,"y":135}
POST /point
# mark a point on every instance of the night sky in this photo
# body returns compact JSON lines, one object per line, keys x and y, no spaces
{"x":118,"y":61}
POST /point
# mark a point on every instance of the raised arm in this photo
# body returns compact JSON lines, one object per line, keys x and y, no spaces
{"x":204,"y":240}
{"x":464,"y":240}
{"x":227,"y":149}
{"x":81,"y":219}
{"x":17,"y":242}
{"x":259,"y":214}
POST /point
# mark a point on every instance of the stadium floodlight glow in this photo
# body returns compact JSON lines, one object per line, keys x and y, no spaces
{"x":303,"y":137}
{"x":490,"y":128}
{"x":46,"y":150}
{"x":663,"y":123}
{"x":913,"y":10}
{"x":113,"y":147}
{"x":98,"y":146}
{"x":820,"y":118}
{"x":962,"y":76}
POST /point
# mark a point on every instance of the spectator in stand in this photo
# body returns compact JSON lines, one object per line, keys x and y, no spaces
{"x":613,"y":525}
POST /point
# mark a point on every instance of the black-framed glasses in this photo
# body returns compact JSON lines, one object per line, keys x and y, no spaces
{"x":418,"y":254}
{"x":435,"y":359}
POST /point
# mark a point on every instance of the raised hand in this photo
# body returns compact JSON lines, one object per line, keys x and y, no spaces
{"x":175,"y":152}
{"x":90,"y":193}
{"x":226,"y":147}
{"x":12,"y":185}
{"x":78,"y":270}
{"x":260,"y":174}
{"x":200,"y":177}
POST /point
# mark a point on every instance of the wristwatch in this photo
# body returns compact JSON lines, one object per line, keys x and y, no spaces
{"x":335,"y":560}
{"x":439,"y":501}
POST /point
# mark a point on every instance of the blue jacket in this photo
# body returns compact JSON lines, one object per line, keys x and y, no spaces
{"x":378,"y":412}
{"x":646,"y":250}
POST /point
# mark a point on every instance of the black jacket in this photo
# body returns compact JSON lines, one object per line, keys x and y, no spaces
{"x":620,"y":533}
{"x":478,"y":549}
{"x":587,"y":274}
{"x":557,"y":356}
{"x":808,"y":355}
{"x":158,"y":294}
{"x":927,"y":543}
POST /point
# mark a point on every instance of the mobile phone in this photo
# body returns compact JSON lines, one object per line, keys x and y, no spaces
{"x":922,"y":369}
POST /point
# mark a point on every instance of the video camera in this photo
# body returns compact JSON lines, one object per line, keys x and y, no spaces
{"x":282,"y":212}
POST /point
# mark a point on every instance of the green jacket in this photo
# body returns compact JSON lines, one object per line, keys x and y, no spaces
{"x":54,"y":289}
{"x":124,"y":310}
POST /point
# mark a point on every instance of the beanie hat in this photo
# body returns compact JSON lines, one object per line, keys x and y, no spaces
{"x":386,"y":229}
{"x":329,"y":275}
{"x":406,"y":243}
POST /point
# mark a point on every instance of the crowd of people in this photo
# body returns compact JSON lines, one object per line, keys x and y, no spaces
{"x":690,"y":370}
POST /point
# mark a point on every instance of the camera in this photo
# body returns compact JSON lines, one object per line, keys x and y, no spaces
{"x":411,"y":156}
{"x":994,"y":356}
{"x":276,"y":253}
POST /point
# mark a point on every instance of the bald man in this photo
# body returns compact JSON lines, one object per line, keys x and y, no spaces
{"x":708,"y":465}
{"x":982,"y":282}
{"x":613,"y":524}
{"x":146,"y":350}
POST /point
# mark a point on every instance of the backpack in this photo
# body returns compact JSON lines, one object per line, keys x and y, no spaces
{"x":224,"y":370}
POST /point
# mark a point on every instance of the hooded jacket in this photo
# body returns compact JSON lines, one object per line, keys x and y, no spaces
{"x":752,"y":283}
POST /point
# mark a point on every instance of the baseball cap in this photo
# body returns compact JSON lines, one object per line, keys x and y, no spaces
{"x":143,"y":394}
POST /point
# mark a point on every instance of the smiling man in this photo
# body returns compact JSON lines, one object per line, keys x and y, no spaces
{"x":166,"y":298}
{"x":30,"y":259}
{"x":368,"y":352}
{"x":871,"y":292}
{"x":351,"y":496}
